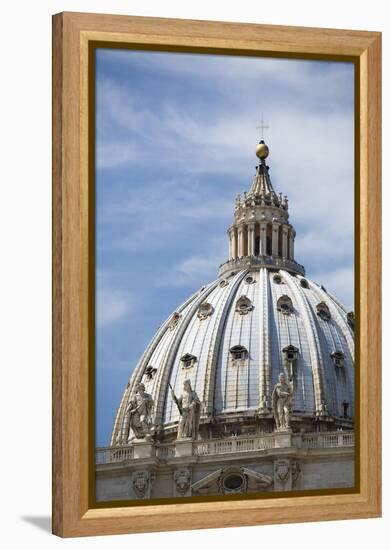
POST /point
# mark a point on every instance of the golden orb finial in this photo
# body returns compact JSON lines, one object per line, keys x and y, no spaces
{"x":262,"y":150}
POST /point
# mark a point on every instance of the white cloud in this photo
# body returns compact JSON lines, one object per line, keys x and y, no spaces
{"x":196,"y":269}
{"x":339,"y":282}
{"x":311,"y":158}
{"x":112,"y":304}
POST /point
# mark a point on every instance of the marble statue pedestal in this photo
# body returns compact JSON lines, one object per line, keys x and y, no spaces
{"x":184,"y":447}
{"x":142,"y":449}
{"x":283,"y":439}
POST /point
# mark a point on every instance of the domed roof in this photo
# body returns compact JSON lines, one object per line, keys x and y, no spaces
{"x":230,"y":340}
{"x":261,"y":317}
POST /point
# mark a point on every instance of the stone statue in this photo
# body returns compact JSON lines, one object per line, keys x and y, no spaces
{"x":322,"y":411}
{"x":263,"y":409}
{"x":139,"y":414}
{"x":189,"y":407}
{"x":281,"y":400}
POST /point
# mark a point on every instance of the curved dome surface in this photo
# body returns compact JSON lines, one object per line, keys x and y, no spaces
{"x":233,"y":338}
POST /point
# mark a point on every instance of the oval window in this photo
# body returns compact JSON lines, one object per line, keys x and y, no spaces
{"x":233,"y":482}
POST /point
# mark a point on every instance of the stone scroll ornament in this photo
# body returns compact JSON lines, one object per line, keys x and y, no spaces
{"x":282,"y":403}
{"x":189,"y":407}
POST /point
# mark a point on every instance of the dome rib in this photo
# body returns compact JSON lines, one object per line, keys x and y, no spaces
{"x":211,"y":370}
{"x":138,"y":373}
{"x":313,"y":339}
{"x":167,"y":367}
{"x":265,"y":373}
{"x":336,"y":314}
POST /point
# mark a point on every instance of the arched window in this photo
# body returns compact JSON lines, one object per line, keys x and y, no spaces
{"x":277,"y":279}
{"x":323,"y":311}
{"x":244,"y":305}
{"x":291,"y":353}
{"x":238,"y":353}
{"x":150,"y":372}
{"x":280,"y":240}
{"x":284,"y":305}
{"x":269,"y":239}
{"x":188,"y":360}
{"x":338,"y":358}
{"x":204,"y":311}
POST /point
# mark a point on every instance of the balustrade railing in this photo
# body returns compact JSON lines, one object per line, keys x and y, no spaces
{"x":107,"y":455}
{"x":240,"y":444}
{"x":234,"y":445}
{"x":165,"y":451}
{"x":327,"y":440}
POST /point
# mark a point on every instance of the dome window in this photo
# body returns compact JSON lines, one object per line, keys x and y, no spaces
{"x":284,"y":305}
{"x":204,"y":311}
{"x":345,"y":406}
{"x":350,"y":319}
{"x":250,"y":280}
{"x":277,"y":279}
{"x":291,"y":353}
{"x":150,"y":372}
{"x":223,"y":283}
{"x":188,"y":360}
{"x":174,"y":320}
{"x":338,"y":358}
{"x":304,"y":283}
{"x":238,"y":353}
{"x":323,"y":311}
{"x":244,"y":305}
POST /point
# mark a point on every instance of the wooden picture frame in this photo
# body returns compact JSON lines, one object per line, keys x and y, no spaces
{"x":73,"y":34}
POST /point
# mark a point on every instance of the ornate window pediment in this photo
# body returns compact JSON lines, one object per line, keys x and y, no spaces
{"x":188,"y":360}
{"x":291,"y":353}
{"x":205,"y":310}
{"x":338,"y":358}
{"x":323,"y":311}
{"x":174,"y":320}
{"x":285,"y":305}
{"x":238,"y":354}
{"x":150,"y":372}
{"x":244,"y":305}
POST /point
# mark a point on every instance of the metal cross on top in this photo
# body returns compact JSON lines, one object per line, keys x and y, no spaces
{"x":262,"y":127}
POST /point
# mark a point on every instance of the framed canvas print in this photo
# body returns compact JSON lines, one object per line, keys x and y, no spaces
{"x":216,"y":298}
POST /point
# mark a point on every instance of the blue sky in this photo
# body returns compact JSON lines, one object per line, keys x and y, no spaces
{"x":175,"y":139}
